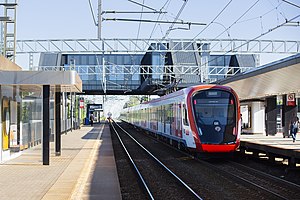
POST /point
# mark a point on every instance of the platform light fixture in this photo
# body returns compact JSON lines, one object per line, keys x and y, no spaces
{"x":8,"y":4}
{"x":5,"y":19}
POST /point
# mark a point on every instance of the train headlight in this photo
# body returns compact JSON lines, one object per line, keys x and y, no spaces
{"x":234,"y":132}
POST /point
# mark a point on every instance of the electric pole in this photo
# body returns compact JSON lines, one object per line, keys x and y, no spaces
{"x":99,"y":18}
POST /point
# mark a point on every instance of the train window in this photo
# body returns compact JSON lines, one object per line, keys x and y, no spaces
{"x":215,"y":115}
{"x":169,"y":112}
{"x":184,"y":114}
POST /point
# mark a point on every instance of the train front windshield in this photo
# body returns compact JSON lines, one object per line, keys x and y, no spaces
{"x":215,"y":115}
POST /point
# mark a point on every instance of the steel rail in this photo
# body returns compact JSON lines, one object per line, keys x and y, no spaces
{"x":226,"y":172}
{"x":219,"y":169}
{"x":134,"y":165}
{"x":250,"y":182}
{"x":164,"y":166}
{"x":266,"y":175}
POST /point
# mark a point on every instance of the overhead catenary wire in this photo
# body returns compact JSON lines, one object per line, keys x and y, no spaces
{"x":255,"y":38}
{"x":92,"y":11}
{"x":226,"y":29}
{"x":236,"y":20}
{"x":142,"y":5}
{"x":265,"y":33}
{"x":193,"y":40}
{"x":132,"y":12}
{"x":246,"y":20}
{"x":154,"y":21}
{"x":291,"y":3}
{"x":154,"y":27}
{"x":175,"y":20}
{"x":139,"y":28}
{"x":278,"y":9}
{"x":166,"y":4}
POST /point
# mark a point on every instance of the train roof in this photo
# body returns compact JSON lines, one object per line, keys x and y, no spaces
{"x":187,"y":90}
{"x":178,"y":94}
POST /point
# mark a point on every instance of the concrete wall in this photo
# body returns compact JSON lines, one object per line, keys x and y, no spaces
{"x":258,"y":117}
{"x":254,"y":117}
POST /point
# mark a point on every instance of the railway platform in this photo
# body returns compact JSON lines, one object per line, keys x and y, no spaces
{"x":272,"y":146}
{"x":85,"y":170}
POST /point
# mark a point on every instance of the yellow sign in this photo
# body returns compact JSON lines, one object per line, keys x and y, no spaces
{"x":5,"y":123}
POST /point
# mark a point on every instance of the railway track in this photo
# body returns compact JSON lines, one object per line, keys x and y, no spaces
{"x":156,"y":178}
{"x":278,"y":187}
{"x":220,"y":179}
{"x":272,"y":186}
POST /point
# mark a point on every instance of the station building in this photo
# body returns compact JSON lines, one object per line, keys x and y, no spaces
{"x":22,"y":105}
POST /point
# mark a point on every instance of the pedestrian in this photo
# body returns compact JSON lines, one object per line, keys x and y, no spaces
{"x":92,"y":119}
{"x":291,"y":128}
{"x":294,"y":128}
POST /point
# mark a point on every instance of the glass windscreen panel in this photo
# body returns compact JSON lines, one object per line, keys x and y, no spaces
{"x":215,"y":116}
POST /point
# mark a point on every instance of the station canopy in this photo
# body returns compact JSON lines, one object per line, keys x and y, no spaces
{"x":277,"y":78}
{"x":61,"y":81}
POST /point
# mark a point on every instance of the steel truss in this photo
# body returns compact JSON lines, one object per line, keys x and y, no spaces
{"x":143,"y":46}
{"x":172,"y":71}
{"x":128,"y":77}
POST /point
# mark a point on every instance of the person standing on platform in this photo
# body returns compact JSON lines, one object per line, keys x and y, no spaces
{"x":92,"y":119}
{"x":294,"y":128}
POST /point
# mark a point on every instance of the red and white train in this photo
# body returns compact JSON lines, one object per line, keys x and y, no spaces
{"x":203,"y":118}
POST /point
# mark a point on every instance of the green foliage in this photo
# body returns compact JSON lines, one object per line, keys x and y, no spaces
{"x":135,"y":100}
{"x":25,"y":112}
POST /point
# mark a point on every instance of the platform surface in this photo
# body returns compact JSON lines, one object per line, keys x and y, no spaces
{"x":85,"y":169}
{"x":273,"y":144}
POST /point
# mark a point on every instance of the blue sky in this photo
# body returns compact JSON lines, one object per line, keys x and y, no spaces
{"x":67,"y":19}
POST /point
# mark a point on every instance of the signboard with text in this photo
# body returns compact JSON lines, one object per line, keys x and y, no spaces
{"x":291,"y":100}
{"x":81,"y":103}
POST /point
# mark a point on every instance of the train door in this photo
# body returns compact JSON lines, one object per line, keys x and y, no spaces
{"x":144,"y":118}
{"x":178,"y":120}
{"x":168,"y":118}
{"x":175,"y":124}
{"x":156,"y":110}
{"x":185,"y":124}
{"x":151,"y":114}
{"x":148,"y":118}
{"x":163,"y":116}
{"x":160,"y":119}
{"x":173,"y":120}
{"x":164,"y":119}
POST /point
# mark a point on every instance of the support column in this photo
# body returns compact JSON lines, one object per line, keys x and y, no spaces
{"x":66,"y":112}
{"x":271,"y":115}
{"x":57,"y":124}
{"x":1,"y":139}
{"x":288,"y":113}
{"x":46,"y":124}
{"x":71,"y":111}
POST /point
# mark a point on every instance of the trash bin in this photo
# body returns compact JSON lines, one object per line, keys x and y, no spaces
{"x":86,"y":121}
